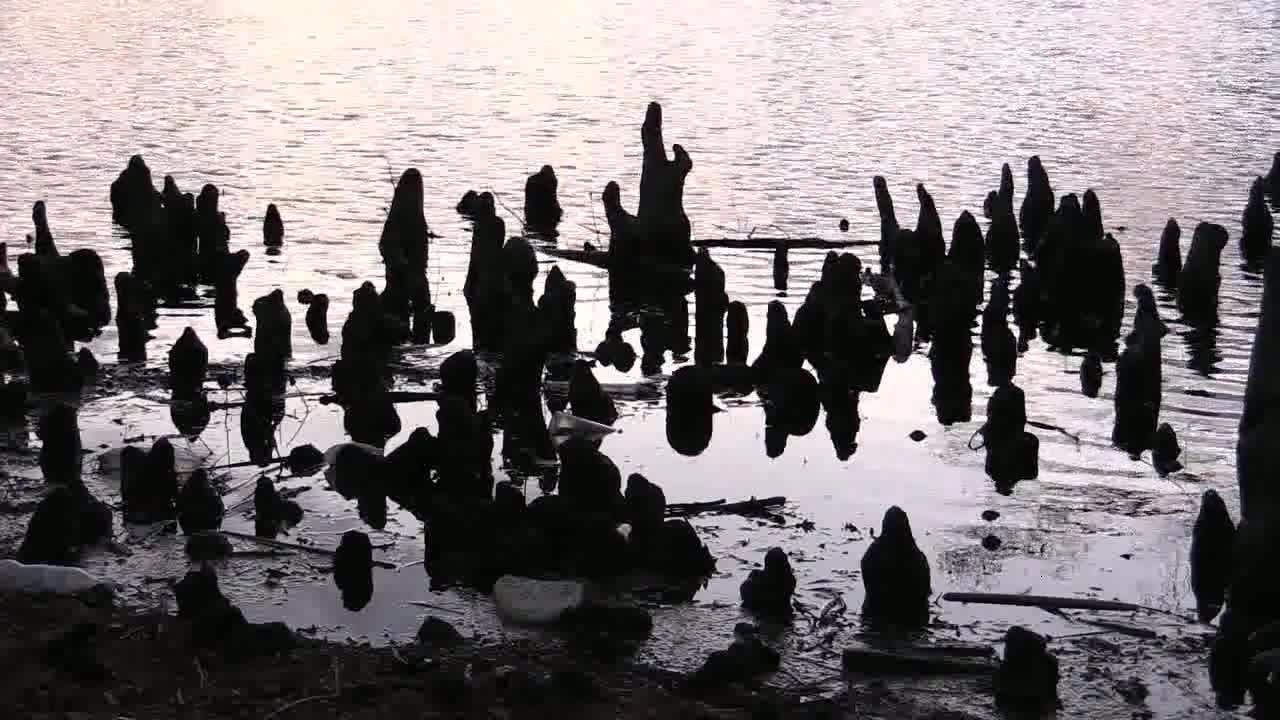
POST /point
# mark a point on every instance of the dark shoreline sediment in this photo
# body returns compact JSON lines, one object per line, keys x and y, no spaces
{"x":141,"y":665}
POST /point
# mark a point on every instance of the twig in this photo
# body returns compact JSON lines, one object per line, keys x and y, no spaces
{"x":296,"y":703}
{"x":1047,"y":426}
{"x":514,"y":215}
{"x":720,"y":507}
{"x":429,"y":606}
{"x":204,"y":678}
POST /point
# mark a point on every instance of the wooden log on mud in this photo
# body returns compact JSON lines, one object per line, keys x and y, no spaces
{"x":1040,"y":601}
{"x":766,"y":243}
{"x":913,"y":662}
{"x":754,"y":506}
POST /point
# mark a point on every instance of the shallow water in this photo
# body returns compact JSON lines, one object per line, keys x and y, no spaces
{"x":788,"y":109}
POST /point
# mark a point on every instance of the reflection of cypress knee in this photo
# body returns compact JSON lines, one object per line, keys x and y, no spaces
{"x":737,"y":323}
{"x":318,"y":318}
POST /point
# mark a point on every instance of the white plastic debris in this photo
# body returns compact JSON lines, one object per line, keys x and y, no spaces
{"x":564,"y":426}
{"x":16,"y":577}
{"x":525,"y":601}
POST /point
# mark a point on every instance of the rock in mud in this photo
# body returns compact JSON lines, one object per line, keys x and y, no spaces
{"x":353,"y":570}
{"x":1212,"y":544}
{"x":200,"y":507}
{"x":768,"y":592}
{"x":896,"y":576}
{"x":1028,"y":674}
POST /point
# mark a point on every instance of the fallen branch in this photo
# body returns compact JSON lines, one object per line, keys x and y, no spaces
{"x":1047,"y":426}
{"x":720,"y":507}
{"x":295,"y":546}
{"x":765,"y":243}
{"x":870,"y":660}
{"x":1041,"y":601}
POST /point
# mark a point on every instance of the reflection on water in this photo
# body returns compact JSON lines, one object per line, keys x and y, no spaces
{"x":787,"y":110}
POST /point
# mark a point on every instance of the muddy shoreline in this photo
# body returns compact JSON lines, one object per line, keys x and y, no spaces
{"x":140,"y":665}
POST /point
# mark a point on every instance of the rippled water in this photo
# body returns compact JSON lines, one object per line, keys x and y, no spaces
{"x":788,"y":108}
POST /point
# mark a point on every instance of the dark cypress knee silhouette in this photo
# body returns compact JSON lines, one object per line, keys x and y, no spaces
{"x":88,"y":287}
{"x":130,"y":319}
{"x":272,"y":512}
{"x":133,"y":196}
{"x":896,"y":576}
{"x":272,"y":227}
{"x":1013,"y":454}
{"x":318,"y":319}
{"x":768,"y":592}
{"x":485,"y":282}
{"x":353,"y":570}
{"x":712,"y":303}
{"x":664,"y":227}
{"x":227,"y":315}
{"x":59,"y":432}
{"x":1164,"y":456}
{"x":43,"y":238}
{"x":1169,"y":257}
{"x":273,"y":340}
{"x":542,"y":211}
{"x":736,"y":327}
{"x":556,"y":312}
{"x":1200,"y":277}
{"x":1037,"y":204}
{"x":1272,"y":178}
{"x":587,"y":399}
{"x":999,"y":347}
{"x":1006,"y":187}
{"x":1091,"y":374}
{"x":1256,"y":450}
{"x":404,"y":248}
{"x":1027,"y":680}
{"x":781,"y":267}
{"x":929,"y":233}
{"x":1212,"y":541}
{"x":1257,"y":226}
{"x":1093,"y":215}
{"x":188,"y":363}
{"x":200,"y":507}
{"x":888,"y":223}
{"x":966,"y":253}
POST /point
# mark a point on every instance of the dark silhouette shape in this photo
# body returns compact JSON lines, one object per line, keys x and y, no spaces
{"x":272,"y":513}
{"x":229,"y":318}
{"x":781,"y":267}
{"x":587,"y":399}
{"x":1037,"y":205}
{"x":542,"y":211}
{"x":967,"y":253}
{"x":737,"y":325}
{"x":1212,"y":541}
{"x":1028,"y":674}
{"x":1091,"y":374}
{"x":999,"y":347}
{"x":59,"y":433}
{"x":353,"y":570}
{"x":87,"y":284}
{"x":67,"y":518}
{"x":1013,"y":454}
{"x":485,"y":284}
{"x":664,"y":228}
{"x":888,"y":224}
{"x":200,"y":507}
{"x":768,"y":592}
{"x":1169,"y":258}
{"x":272,"y":227}
{"x":1200,"y":278}
{"x":712,"y":303}
{"x":896,"y":576}
{"x":188,"y":364}
{"x":148,"y":483}
{"x":318,"y":319}
{"x":404,"y":248}
{"x":781,"y":346}
{"x":1257,"y":226}
{"x":689,"y":411}
{"x":273,"y":338}
{"x":556,"y":312}
{"x":1164,"y":456}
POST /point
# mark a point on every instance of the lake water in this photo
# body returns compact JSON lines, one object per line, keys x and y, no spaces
{"x":788,"y":108}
